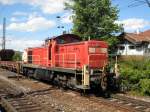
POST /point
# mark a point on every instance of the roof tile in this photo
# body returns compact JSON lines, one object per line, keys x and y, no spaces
{"x":141,"y":37}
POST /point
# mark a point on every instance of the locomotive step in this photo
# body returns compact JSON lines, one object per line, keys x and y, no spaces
{"x":82,"y":87}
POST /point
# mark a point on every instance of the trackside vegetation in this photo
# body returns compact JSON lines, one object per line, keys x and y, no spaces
{"x":135,"y":76}
{"x":17,"y":56}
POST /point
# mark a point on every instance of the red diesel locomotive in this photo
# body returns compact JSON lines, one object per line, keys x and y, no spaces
{"x":68,"y":61}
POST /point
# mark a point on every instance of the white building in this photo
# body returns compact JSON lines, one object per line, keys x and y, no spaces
{"x":133,"y":44}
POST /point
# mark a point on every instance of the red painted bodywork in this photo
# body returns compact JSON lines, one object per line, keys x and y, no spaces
{"x":68,"y":51}
{"x":39,"y":56}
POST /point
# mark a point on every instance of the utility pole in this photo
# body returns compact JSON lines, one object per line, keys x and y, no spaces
{"x":4,"y":33}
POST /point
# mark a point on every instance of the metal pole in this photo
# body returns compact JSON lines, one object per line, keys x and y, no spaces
{"x":18,"y":70}
{"x":4,"y":33}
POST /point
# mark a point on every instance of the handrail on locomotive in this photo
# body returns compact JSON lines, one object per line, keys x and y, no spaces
{"x":67,"y":60}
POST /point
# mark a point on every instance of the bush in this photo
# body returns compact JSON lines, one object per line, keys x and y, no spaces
{"x":17,"y":56}
{"x":144,"y":85}
{"x":6,"y":54}
{"x":135,"y":75}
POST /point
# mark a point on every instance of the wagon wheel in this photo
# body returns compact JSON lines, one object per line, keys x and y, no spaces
{"x":104,"y":82}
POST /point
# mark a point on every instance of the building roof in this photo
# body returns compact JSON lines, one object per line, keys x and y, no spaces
{"x":138,"y":38}
{"x":66,"y":38}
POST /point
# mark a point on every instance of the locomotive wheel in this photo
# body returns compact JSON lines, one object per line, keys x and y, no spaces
{"x":104,"y":82}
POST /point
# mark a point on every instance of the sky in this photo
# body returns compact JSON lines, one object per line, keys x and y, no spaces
{"x":30,"y":22}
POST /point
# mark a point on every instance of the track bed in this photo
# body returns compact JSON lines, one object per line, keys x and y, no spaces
{"x":44,"y":97}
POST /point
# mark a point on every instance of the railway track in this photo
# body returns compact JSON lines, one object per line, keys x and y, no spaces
{"x":13,"y":102}
{"x":20,"y":104}
{"x":137,"y":105}
{"x":119,"y":102}
{"x":124,"y":103}
{"x":34,"y":101}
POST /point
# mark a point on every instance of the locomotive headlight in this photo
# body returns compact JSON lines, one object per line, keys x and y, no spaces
{"x":92,"y":50}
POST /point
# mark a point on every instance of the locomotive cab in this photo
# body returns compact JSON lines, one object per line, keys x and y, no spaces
{"x":97,"y":62}
{"x":66,"y":39}
{"x":97,"y":53}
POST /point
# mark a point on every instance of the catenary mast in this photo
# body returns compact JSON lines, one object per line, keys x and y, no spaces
{"x":4,"y":33}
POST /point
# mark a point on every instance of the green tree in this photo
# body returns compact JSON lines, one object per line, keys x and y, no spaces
{"x":17,"y":56}
{"x":94,"y":19}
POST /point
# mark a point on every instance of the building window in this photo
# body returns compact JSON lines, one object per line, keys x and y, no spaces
{"x":121,"y":47}
{"x":131,"y":47}
{"x":147,"y":51}
{"x":139,"y":48}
